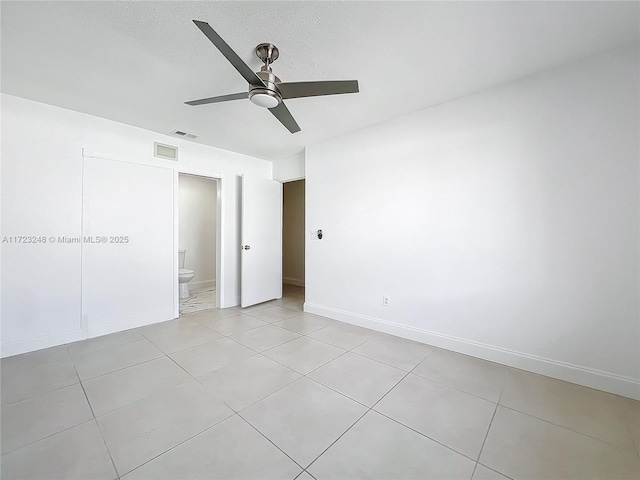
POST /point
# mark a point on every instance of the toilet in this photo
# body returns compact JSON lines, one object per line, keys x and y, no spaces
{"x":184,"y":275}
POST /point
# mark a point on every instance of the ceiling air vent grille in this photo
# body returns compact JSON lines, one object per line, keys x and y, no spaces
{"x":180,"y":133}
{"x":168,"y":152}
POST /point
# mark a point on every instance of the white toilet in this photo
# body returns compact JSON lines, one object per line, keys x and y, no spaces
{"x":184,"y":275}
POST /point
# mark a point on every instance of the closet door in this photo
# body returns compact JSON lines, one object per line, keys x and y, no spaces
{"x":128,"y":251}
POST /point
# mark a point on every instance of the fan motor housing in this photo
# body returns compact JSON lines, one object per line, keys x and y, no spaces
{"x":266,"y":96}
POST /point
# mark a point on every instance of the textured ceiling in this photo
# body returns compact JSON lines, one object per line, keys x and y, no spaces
{"x":137,"y":62}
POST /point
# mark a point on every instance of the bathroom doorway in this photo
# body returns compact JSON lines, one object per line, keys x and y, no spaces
{"x":197,"y":223}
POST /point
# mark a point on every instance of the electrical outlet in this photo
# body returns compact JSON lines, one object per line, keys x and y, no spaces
{"x":385,"y":301}
{"x":314,"y":235}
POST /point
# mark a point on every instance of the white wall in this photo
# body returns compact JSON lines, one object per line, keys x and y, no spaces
{"x":503,"y":224}
{"x":293,"y":236}
{"x":197,"y":227}
{"x":128,"y":273}
{"x":289,"y":168}
{"x":42,"y":196}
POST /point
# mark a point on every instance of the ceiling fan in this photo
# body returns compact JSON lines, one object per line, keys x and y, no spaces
{"x":265,"y":89}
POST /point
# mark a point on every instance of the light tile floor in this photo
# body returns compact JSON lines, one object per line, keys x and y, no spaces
{"x":270,"y":392}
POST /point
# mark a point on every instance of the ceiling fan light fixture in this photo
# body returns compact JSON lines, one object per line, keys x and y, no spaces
{"x":264,"y":98}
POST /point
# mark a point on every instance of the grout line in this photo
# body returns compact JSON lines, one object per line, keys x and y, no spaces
{"x":143,"y":337}
{"x":180,"y":366}
{"x":486,"y":435}
{"x":95,"y":419}
{"x":104,"y":441}
{"x":182,"y":442}
{"x":369,"y":409}
{"x":492,"y":469}
{"x":630,"y":450}
{"x":38,"y":394}
{"x":425,"y":435}
{"x":271,"y":442}
{"x":86,"y":396}
{"x":339,"y":437}
{"x":124,"y":368}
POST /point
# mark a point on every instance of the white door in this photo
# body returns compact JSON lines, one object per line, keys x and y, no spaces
{"x":261,"y":249}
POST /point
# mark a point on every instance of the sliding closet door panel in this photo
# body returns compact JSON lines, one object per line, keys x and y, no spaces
{"x":128,"y":245}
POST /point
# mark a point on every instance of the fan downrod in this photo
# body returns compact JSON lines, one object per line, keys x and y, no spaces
{"x":267,"y":52}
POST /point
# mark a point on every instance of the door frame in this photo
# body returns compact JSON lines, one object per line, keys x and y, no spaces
{"x":220,"y":225}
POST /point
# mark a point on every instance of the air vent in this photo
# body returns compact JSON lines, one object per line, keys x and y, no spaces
{"x":180,"y":133}
{"x":168,"y":152}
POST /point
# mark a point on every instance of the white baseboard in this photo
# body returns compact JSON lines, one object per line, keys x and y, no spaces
{"x":608,"y":382}
{"x":293,"y":281}
{"x":129,"y":323}
{"x":202,"y":284}
{"x":23,"y":346}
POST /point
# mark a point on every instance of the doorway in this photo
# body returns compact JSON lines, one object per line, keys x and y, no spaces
{"x":293,"y":234}
{"x":197,"y":234}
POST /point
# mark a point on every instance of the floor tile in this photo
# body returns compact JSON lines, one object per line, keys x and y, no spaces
{"x":139,"y":432}
{"x":291,"y":299}
{"x":359,"y":378}
{"x":206,"y":358}
{"x":104,"y":341}
{"x":245,"y":382}
{"x":631,"y":410}
{"x":524,"y":447}
{"x":210,"y":315}
{"x":273,"y":313}
{"x":377,"y":447}
{"x":235,"y":324}
{"x":484,"y":473}
{"x":230,"y":450}
{"x":182,"y":339}
{"x":471,"y":375}
{"x":305,"y":323}
{"x":282,"y":301}
{"x":304,"y":354}
{"x":303,"y":418}
{"x":107,"y":360}
{"x":264,"y":338}
{"x":297,"y":305}
{"x":117,"y":389}
{"x":37,"y":358}
{"x":168,"y":326}
{"x":584,"y":410}
{"x":394,"y":351}
{"x":37,"y":417}
{"x":78,"y":453}
{"x":293,"y":291}
{"x":454,"y":418}
{"x":343,"y":335}
{"x":254,"y":308}
{"x":21,"y":381}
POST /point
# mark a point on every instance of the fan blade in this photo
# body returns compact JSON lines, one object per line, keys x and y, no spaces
{"x":316,"y":89}
{"x":229,"y":54}
{"x":221,"y":98}
{"x":282,"y":113}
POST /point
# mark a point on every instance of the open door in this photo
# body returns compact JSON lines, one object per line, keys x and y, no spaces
{"x":261,"y":249}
